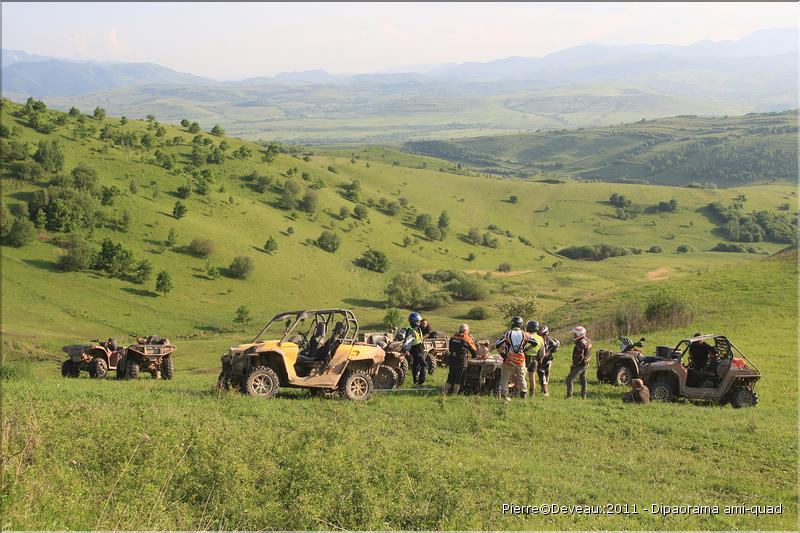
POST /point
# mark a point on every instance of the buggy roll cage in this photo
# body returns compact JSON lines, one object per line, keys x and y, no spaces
{"x":293,"y":318}
{"x":722,"y":344}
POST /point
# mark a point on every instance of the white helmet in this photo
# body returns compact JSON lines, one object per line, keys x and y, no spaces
{"x":578,"y":332}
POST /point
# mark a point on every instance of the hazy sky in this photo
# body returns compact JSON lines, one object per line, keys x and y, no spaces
{"x":233,"y":41}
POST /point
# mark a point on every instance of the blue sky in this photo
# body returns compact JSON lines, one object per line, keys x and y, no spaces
{"x":234,"y":41}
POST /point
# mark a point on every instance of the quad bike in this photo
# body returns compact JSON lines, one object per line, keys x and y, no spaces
{"x":152,"y":354}
{"x":97,"y":358}
{"x":310,"y":349}
{"x":729,"y":377}
{"x":394,"y":369}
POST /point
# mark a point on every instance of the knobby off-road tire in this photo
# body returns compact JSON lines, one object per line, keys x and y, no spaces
{"x":222,"y":382}
{"x":661,"y":391}
{"x":98,"y":368}
{"x":70,"y":369}
{"x":743,"y":397}
{"x":432,"y":363}
{"x":261,"y":382}
{"x":167,"y":368}
{"x":623,"y":376}
{"x":131,"y":369}
{"x":356,"y":385}
{"x":601,"y":376}
{"x":402,"y":371}
{"x":385,"y":378}
{"x":121,"y":369}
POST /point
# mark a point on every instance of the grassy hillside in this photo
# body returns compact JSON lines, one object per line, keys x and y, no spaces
{"x":238,"y":220}
{"x":726,"y":151}
{"x":179,"y":455}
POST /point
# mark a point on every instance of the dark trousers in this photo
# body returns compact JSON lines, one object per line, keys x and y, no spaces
{"x":577,"y":371}
{"x":419,"y":366}
{"x":543,"y":370}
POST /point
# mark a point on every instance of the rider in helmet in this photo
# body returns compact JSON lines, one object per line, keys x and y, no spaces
{"x":412,"y":345}
{"x":581,"y":353}
{"x":512,"y":348}
{"x":533,"y":352}
{"x":550,"y":347}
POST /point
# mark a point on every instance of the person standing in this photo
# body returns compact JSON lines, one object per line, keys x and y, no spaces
{"x":461,"y":347}
{"x":512,"y":348}
{"x":412,"y":344}
{"x":533,"y":353}
{"x":550,"y":347}
{"x":581,"y":353}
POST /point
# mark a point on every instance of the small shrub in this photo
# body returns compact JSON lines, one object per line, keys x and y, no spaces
{"x":393,"y":319}
{"x":242,"y":315}
{"x":142,"y":271}
{"x":667,"y":308}
{"x":684,"y":248}
{"x":21,"y":233}
{"x":164,"y":283}
{"x":655,"y":250}
{"x":374,"y":260}
{"x":241,"y":267}
{"x":478,"y":313}
{"x":201,"y":247}
{"x":77,"y":256}
{"x":504,"y":267}
{"x":271,"y":245}
{"x":470,"y":288}
{"x":329,"y":241}
{"x":180,"y":210}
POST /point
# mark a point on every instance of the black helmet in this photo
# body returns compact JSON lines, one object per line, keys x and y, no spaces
{"x":517,"y":322}
{"x":532,"y":326}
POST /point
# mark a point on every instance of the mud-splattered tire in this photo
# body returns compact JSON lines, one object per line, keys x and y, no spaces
{"x":623,"y":376}
{"x":262,"y":382}
{"x":222,"y":382}
{"x":98,"y":368}
{"x":167,"y":368}
{"x":430,"y":360}
{"x":385,"y":378}
{"x":601,"y":376}
{"x":402,"y":371}
{"x":661,"y":391}
{"x":131,"y":369}
{"x":743,"y":397}
{"x":69,"y":369}
{"x":356,"y":385}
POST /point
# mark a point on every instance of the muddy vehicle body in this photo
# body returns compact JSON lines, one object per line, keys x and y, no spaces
{"x":392,"y":373}
{"x":97,"y":358}
{"x":152,"y":354}
{"x":311,"y":349}
{"x":623,"y":366}
{"x":729,"y":376}
{"x":482,"y":374}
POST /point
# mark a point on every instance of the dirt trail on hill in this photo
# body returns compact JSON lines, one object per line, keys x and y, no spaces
{"x":496,"y":273}
{"x":658,"y":275}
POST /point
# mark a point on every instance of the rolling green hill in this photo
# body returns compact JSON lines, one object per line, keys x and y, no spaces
{"x":726,"y":151}
{"x":238,"y":220}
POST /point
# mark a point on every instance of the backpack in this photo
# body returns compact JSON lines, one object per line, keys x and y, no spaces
{"x":516,"y":351}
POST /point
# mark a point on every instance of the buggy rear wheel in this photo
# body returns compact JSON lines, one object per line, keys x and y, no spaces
{"x":623,"y":376}
{"x":661,"y":391}
{"x":356,"y":385}
{"x":167,"y":368}
{"x":98,"y":368}
{"x":385,"y":378}
{"x":743,"y":397}
{"x":262,"y":382}
{"x":69,"y":369}
{"x":131,"y":369}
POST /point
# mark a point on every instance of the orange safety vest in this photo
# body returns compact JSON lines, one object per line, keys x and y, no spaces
{"x":516,"y":354}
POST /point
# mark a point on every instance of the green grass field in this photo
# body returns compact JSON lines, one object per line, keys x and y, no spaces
{"x":179,"y":455}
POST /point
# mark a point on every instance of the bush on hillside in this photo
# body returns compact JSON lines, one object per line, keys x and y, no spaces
{"x":684,"y":249}
{"x":478,"y":313}
{"x":77,"y":254}
{"x":241,"y":267}
{"x":737,"y":248}
{"x":594,"y":252}
{"x":21,"y":232}
{"x":504,"y":267}
{"x":201,"y":247}
{"x":655,"y":250}
{"x":525,"y":306}
{"x":374,"y":260}
{"x":409,"y":291}
{"x":469,"y":288}
{"x":113,"y":258}
{"x":329,"y":241}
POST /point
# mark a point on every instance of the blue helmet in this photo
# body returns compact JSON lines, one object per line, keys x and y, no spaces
{"x":414,"y":319}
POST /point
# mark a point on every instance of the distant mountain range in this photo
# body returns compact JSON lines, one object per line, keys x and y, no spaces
{"x":585,"y":85}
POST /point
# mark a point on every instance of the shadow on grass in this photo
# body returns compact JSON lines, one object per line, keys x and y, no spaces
{"x":140,"y":292}
{"x":50,"y":266}
{"x":363,"y":302}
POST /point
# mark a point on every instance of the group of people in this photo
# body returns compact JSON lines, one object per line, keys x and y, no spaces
{"x":527,"y":350}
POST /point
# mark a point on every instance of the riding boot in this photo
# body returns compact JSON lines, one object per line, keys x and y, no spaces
{"x":523,"y":394}
{"x":532,"y":379}
{"x":545,"y":392}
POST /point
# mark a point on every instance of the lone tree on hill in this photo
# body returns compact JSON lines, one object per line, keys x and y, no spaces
{"x":180,"y":210}
{"x":164,"y":282}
